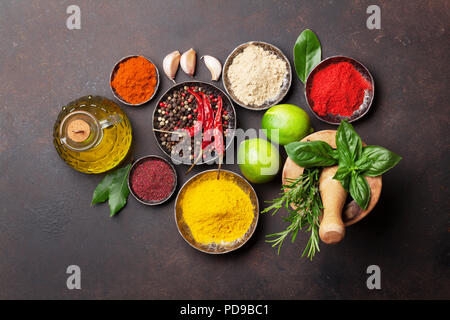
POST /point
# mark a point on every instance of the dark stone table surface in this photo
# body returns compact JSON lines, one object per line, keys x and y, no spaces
{"x":47,"y":223}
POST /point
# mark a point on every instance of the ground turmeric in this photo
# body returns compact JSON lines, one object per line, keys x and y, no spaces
{"x":216,"y":211}
{"x":135,"y":80}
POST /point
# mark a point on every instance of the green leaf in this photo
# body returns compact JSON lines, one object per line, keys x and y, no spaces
{"x":113,"y":188}
{"x":348,"y":143}
{"x":335,"y":154}
{"x":307,"y":54}
{"x":342,"y":173}
{"x":359,"y":189}
{"x":119,"y":191}
{"x":382,"y":160}
{"x":101,"y":193}
{"x":311,"y":154}
{"x":346,"y":182}
{"x":363,"y":163}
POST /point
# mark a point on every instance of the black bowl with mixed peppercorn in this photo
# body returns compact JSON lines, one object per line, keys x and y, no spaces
{"x":176,"y":116}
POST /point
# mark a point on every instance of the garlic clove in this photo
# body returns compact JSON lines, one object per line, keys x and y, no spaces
{"x":171,"y":63}
{"x":214,"y":66}
{"x":187,"y":62}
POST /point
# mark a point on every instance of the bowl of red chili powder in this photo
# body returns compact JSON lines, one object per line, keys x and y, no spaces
{"x":134,"y":80}
{"x":152,"y":180}
{"x":339,"y":88}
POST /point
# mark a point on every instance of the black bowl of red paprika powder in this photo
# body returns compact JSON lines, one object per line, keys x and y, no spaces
{"x":134,"y":80}
{"x":339,"y":88}
{"x":152,"y":180}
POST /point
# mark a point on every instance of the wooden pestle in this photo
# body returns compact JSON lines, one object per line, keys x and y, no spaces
{"x":332,"y":229}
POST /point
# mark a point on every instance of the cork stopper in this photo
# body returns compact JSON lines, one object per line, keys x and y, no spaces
{"x":78,"y":130}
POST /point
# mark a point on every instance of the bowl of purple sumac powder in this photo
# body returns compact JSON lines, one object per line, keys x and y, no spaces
{"x":152,"y":180}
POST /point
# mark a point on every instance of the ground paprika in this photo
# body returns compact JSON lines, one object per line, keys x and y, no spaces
{"x":338,"y":89}
{"x":135,"y":80}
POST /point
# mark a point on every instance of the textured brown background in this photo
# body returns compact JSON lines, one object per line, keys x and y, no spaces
{"x":47,"y":223}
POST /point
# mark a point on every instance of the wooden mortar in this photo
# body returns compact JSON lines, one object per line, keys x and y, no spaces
{"x":332,"y":226}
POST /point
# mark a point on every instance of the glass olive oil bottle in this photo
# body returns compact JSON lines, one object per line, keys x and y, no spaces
{"x":92,"y":134}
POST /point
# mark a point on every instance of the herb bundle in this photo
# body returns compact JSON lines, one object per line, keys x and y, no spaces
{"x":354,"y":160}
{"x":303,"y":195}
{"x":354,"y":163}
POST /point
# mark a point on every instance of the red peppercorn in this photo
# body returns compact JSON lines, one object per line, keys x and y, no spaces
{"x":225,"y":112}
{"x":183,"y":94}
{"x":161,"y":104}
{"x":211,"y":97}
{"x":189,"y":116}
{"x":175,"y":128}
{"x":195,"y":110}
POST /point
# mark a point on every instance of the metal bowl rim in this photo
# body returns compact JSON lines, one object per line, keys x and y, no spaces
{"x":184,"y":83}
{"x":148,"y":157}
{"x":256,"y":207}
{"x":289,"y":75}
{"x":363,"y":67}
{"x":117,"y":96}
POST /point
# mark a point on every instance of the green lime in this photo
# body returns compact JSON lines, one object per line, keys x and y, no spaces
{"x":292,"y":122}
{"x":259,"y":160}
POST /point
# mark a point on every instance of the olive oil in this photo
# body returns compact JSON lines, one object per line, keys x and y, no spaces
{"x":92,"y":134}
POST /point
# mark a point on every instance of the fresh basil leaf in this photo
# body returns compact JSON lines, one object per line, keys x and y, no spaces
{"x":101,"y":192}
{"x":311,"y":154}
{"x":346,"y":182}
{"x":343,"y":175}
{"x":335,"y":154}
{"x":359,"y":189}
{"x":363,"y":163}
{"x":119,"y":191}
{"x":382,"y":160}
{"x":348,"y":143}
{"x":307,"y":54}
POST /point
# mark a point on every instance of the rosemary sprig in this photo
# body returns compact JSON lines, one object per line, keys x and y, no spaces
{"x":303,"y":194}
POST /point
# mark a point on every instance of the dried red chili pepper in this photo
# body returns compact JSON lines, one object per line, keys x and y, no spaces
{"x":218,"y":134}
{"x":213,"y":128}
{"x":209,"y":121}
{"x":198,"y":124}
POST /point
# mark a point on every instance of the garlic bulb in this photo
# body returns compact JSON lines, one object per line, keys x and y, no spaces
{"x":214,"y":66}
{"x":171,"y":63}
{"x":187,"y":62}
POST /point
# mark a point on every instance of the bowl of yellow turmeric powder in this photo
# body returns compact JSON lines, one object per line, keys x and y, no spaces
{"x":216,"y":215}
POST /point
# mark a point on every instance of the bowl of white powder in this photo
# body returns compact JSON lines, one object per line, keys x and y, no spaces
{"x":257,"y":75}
